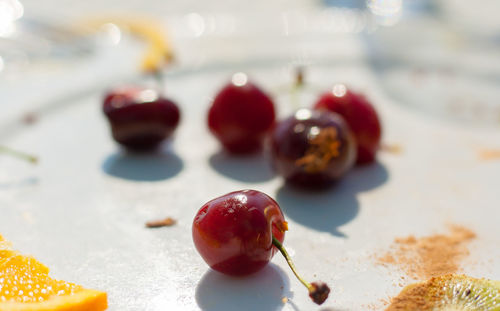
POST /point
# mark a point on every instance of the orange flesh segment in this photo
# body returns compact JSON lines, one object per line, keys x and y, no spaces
{"x":26,"y":286}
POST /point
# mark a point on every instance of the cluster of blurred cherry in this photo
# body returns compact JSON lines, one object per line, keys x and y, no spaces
{"x":312,"y":148}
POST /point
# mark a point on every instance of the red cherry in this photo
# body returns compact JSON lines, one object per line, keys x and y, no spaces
{"x":140,"y":118}
{"x":312,"y":148}
{"x":233,"y":233}
{"x":359,"y":114}
{"x":238,"y":234}
{"x":241,"y":116}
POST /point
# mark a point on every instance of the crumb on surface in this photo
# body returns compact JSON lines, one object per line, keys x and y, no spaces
{"x":391,"y":148}
{"x":29,"y":118}
{"x":166,"y":222}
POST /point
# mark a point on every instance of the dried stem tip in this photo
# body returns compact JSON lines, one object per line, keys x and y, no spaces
{"x":319,"y":292}
{"x":299,"y":76}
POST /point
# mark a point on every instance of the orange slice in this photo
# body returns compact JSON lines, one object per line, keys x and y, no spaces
{"x":25,"y":285}
{"x":4,"y":245}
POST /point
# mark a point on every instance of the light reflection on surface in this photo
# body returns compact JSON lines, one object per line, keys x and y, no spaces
{"x":303,"y":114}
{"x":113,"y":33}
{"x":242,"y":198}
{"x":387,"y":12}
{"x":299,"y":128}
{"x":10,"y":11}
{"x":239,"y":79}
{"x":313,"y":132}
{"x":331,"y":20}
{"x":197,"y":23}
{"x":164,"y":301}
{"x":1,"y":64}
{"x":148,"y":96}
{"x":339,"y":90}
{"x":117,"y":103}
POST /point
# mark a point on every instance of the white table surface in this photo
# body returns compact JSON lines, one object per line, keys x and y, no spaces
{"x":82,"y":209}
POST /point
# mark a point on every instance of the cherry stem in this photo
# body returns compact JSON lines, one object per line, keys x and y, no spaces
{"x":159,"y":78}
{"x":283,"y":251}
{"x":297,"y":86}
{"x":19,"y":154}
{"x":318,"y":291}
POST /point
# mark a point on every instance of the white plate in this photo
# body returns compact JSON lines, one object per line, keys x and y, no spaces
{"x":82,"y":210}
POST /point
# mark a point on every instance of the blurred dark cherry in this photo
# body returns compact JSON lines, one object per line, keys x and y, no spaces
{"x":241,"y":116}
{"x":312,"y":148}
{"x":359,"y":114}
{"x":140,"y":118}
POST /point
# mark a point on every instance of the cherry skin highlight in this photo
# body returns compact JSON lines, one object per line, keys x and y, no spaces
{"x":361,"y":116}
{"x":312,"y":148}
{"x":233,"y":233}
{"x":241,"y":116}
{"x":140,"y":118}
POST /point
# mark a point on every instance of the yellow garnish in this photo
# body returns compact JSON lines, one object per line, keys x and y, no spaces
{"x":158,"y":52}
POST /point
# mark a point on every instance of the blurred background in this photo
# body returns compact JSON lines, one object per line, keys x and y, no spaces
{"x":438,"y":57}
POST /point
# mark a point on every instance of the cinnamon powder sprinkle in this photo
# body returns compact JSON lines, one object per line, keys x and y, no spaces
{"x":489,"y":154}
{"x":167,"y":222}
{"x":430,"y":256}
{"x":415,"y":297}
{"x":428,"y":295}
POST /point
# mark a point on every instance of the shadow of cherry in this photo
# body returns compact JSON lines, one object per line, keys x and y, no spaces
{"x":260,"y":291}
{"x":19,"y":183}
{"x":366,"y":177}
{"x":246,"y":168}
{"x":330,"y":208}
{"x":321,"y":211}
{"x":155,"y":166}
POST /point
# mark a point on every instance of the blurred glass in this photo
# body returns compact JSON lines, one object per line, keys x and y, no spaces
{"x":26,"y":40}
{"x":439,"y":57}
{"x":10,"y":11}
{"x":440,"y":62}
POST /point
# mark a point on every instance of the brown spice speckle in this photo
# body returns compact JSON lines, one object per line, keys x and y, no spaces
{"x":166,"y":222}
